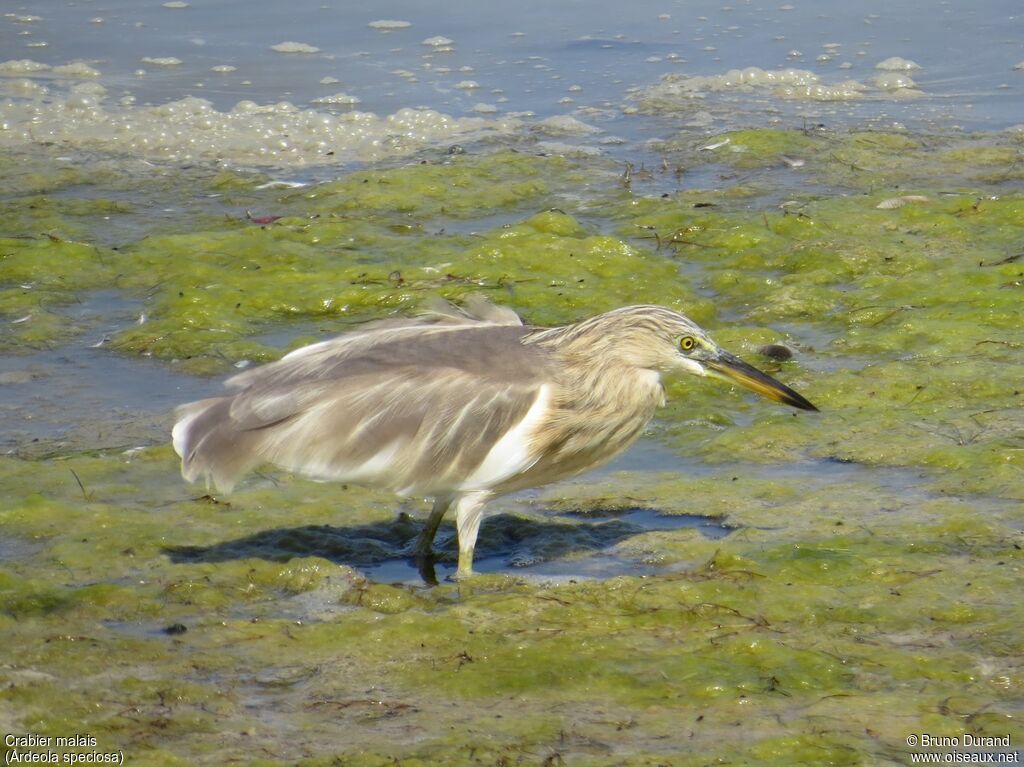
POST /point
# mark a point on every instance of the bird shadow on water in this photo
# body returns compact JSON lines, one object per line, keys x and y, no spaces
{"x":567,"y":544}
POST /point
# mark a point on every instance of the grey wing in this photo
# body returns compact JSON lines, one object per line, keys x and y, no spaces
{"x":485,"y":349}
{"x":413,"y":414}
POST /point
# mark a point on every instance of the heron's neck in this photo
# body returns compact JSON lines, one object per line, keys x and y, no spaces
{"x":599,"y":368}
{"x":596,"y":381}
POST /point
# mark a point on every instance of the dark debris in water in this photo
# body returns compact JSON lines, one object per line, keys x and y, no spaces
{"x":777,"y":352}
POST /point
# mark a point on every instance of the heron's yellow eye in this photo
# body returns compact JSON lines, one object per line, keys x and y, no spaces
{"x":687,"y":343}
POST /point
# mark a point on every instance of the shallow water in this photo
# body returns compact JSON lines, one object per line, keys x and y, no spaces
{"x":52,"y":394}
{"x":835,"y":581}
{"x":570,"y":566}
{"x":533,"y":54}
{"x":507,"y":71}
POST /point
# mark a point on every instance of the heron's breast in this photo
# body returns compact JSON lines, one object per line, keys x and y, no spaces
{"x":515,"y":451}
{"x":579,"y":433}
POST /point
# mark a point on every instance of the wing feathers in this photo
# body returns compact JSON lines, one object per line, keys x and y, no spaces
{"x":414,"y":408}
{"x":431,"y":445}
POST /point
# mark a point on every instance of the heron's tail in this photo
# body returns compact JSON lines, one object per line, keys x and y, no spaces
{"x":211,"y":445}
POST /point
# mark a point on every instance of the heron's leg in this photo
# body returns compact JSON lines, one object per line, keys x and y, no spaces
{"x":425,"y":541}
{"x":468,"y":512}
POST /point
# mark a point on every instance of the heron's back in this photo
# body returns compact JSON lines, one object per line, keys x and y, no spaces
{"x":415,"y":409}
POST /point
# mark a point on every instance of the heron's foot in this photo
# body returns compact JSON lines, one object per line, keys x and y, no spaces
{"x":425,"y":567}
{"x":465,"y":569}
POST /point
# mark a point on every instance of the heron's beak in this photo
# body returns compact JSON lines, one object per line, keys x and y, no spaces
{"x":731,"y":368}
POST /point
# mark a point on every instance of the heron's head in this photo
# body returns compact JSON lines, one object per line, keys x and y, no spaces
{"x":669,"y":342}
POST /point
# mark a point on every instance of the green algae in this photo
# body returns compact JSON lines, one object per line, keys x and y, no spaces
{"x":910,"y":614}
{"x":854,"y":160}
{"x":929,"y":298}
{"x":211,"y":291}
{"x":460,"y":188}
{"x":867,"y":591}
{"x":37,"y":278}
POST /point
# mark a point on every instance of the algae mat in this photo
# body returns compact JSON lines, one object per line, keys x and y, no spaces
{"x":869,"y":591}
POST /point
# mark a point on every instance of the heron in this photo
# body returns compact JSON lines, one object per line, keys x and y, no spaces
{"x":460,"y":404}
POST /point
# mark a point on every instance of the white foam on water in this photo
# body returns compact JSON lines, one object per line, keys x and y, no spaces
{"x":897,"y":64}
{"x":78,"y":115}
{"x":337,"y":98}
{"x":389,"y":24}
{"x":162,"y":61}
{"x":789,"y":84}
{"x":294,"y":47}
{"x":438,"y":41}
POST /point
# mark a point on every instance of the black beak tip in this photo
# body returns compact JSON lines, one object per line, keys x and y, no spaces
{"x":798,"y":401}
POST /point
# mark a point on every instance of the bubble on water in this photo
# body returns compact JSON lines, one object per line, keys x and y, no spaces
{"x":90,"y":88}
{"x":736,"y":79}
{"x":896,"y":64}
{"x":564,"y":125}
{"x":848,"y":90}
{"x":22,"y":66}
{"x":249,"y":134}
{"x":75,"y":69}
{"x":389,"y":24}
{"x":162,"y":61}
{"x":790,"y":84}
{"x":892,"y":81}
{"x":293,"y":47}
{"x":337,"y":98}
{"x":25,"y":87}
